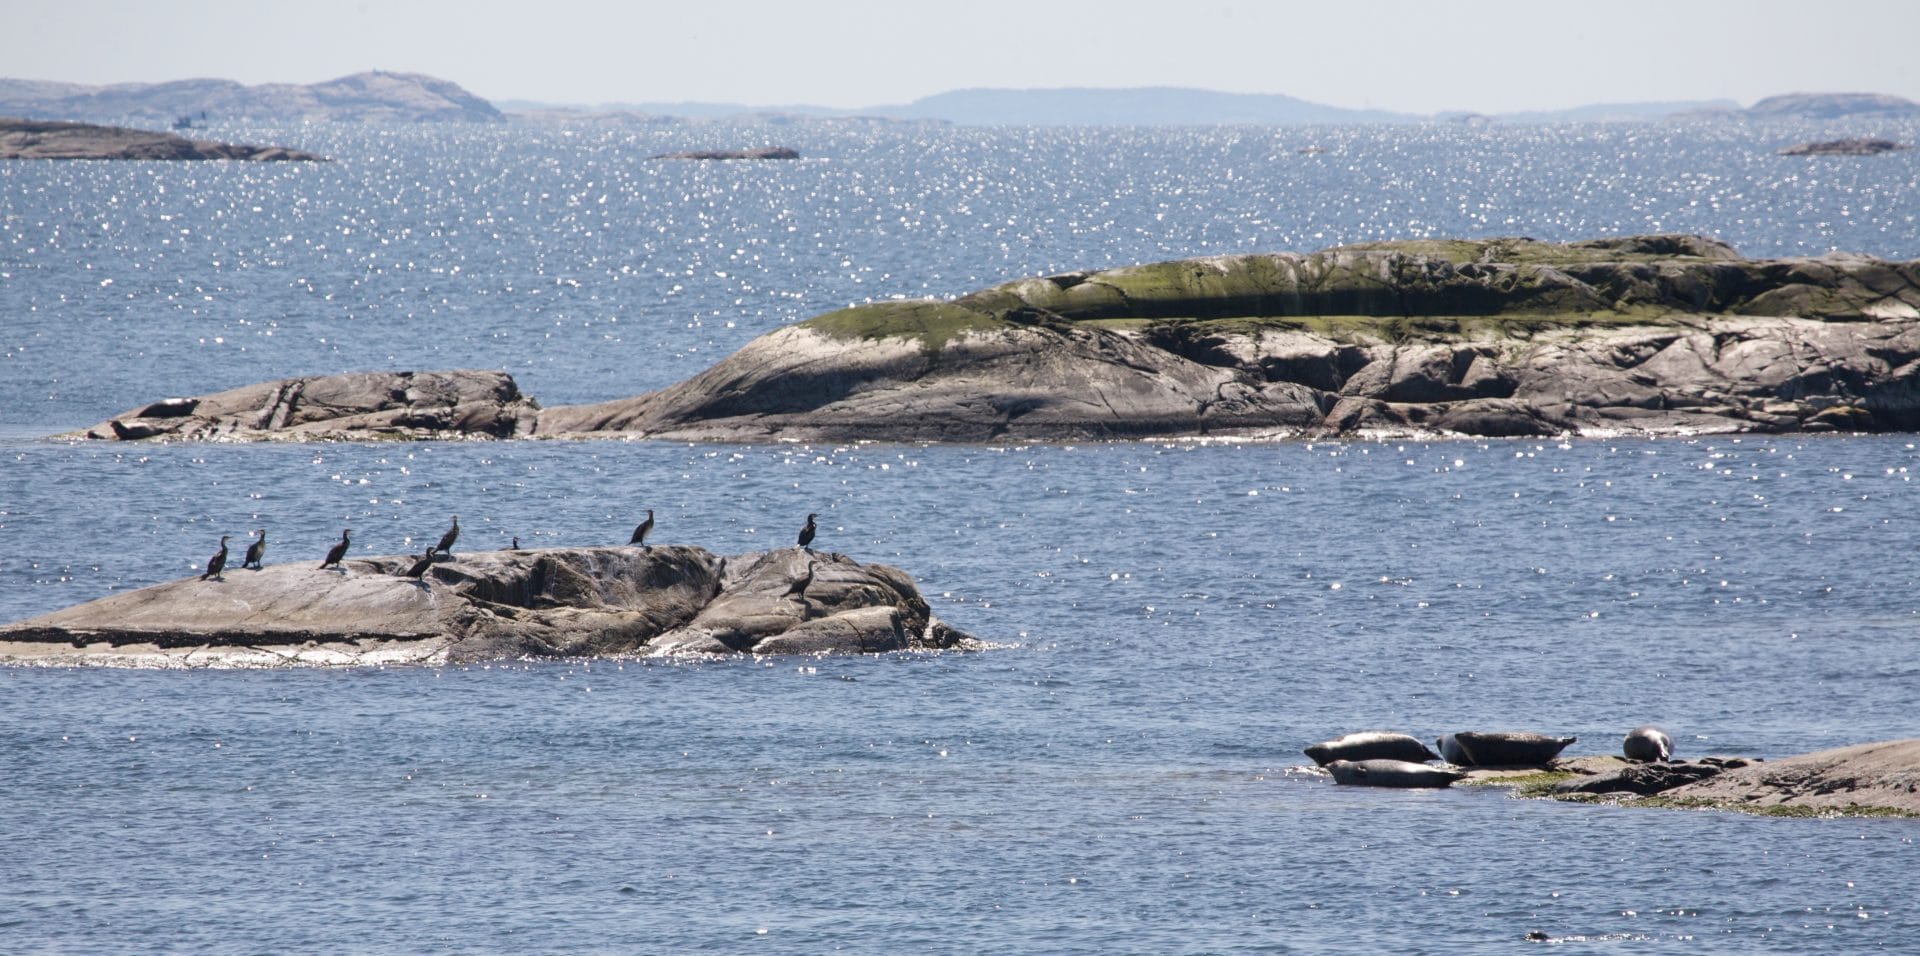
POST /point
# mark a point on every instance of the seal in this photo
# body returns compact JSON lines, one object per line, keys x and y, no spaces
{"x":1451,"y":751}
{"x":1370,"y":745}
{"x":1507,"y":749}
{"x":1647,"y":744}
{"x":1391,"y":773}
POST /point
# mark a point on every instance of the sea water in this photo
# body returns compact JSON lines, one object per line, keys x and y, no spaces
{"x":1169,"y":623}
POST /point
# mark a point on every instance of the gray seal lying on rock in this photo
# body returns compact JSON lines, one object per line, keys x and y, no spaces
{"x":1647,"y":744}
{"x":1370,"y":745}
{"x":1391,"y":773}
{"x":1506,"y":749}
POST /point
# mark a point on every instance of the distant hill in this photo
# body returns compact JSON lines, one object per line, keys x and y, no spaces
{"x":413,"y":97}
{"x":684,"y":110}
{"x":1623,"y":112}
{"x":1145,"y":106}
{"x":1820,"y":106}
{"x":371,"y":97}
{"x":1178,"y":106}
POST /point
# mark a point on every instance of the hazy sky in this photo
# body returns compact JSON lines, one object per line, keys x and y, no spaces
{"x":1416,"y":56}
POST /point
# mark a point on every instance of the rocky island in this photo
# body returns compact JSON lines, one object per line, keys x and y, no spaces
{"x":1646,"y":335}
{"x":51,"y":139}
{"x":763,"y":152}
{"x":549,"y":602}
{"x":1874,"y":779}
{"x":1857,"y":146}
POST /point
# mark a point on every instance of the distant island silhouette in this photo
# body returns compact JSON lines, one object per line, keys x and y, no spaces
{"x":382,"y":96}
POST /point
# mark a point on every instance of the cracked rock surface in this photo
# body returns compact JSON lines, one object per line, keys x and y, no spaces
{"x":1648,"y":335}
{"x":553,"y":602}
{"x":1884,"y":775}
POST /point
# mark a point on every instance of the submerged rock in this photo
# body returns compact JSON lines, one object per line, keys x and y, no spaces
{"x":54,"y":139}
{"x":553,"y":602}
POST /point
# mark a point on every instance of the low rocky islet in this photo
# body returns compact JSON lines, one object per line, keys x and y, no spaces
{"x":1647,"y":335}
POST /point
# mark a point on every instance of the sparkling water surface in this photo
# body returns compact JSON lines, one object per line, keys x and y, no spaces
{"x":1170,"y":622}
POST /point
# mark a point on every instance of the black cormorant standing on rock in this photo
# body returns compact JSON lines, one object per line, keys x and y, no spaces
{"x":446,"y":540}
{"x":420,"y":567}
{"x":515,"y":546}
{"x":256,"y":551}
{"x":219,"y":560}
{"x":806,"y":533}
{"x":640,"y":533}
{"x":337,"y":552}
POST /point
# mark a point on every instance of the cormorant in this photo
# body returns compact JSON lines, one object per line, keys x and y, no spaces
{"x":446,"y":540}
{"x":256,"y":551}
{"x":640,"y":533}
{"x":218,"y":561}
{"x":420,"y":567}
{"x":806,"y":533}
{"x":515,"y":546}
{"x":337,"y":552}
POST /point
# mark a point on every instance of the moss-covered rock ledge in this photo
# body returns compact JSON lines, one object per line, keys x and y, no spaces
{"x":483,"y":605}
{"x":1497,"y":337}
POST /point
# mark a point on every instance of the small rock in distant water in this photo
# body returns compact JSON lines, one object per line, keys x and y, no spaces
{"x":1858,"y":146}
{"x":764,"y":152}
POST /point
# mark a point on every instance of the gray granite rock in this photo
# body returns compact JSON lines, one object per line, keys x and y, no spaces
{"x":552,"y":602}
{"x":1644,"y":335}
{"x":415,"y":405}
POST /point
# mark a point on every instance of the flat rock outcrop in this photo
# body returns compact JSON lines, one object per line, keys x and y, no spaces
{"x":362,"y":405}
{"x":553,"y":602}
{"x":1882,"y":776}
{"x":1645,"y":335}
{"x":50,"y":139}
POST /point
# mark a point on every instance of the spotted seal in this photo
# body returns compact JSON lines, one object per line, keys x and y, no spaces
{"x":1647,"y":744}
{"x":1504,"y":749}
{"x":1391,"y":773}
{"x":1370,"y":745}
